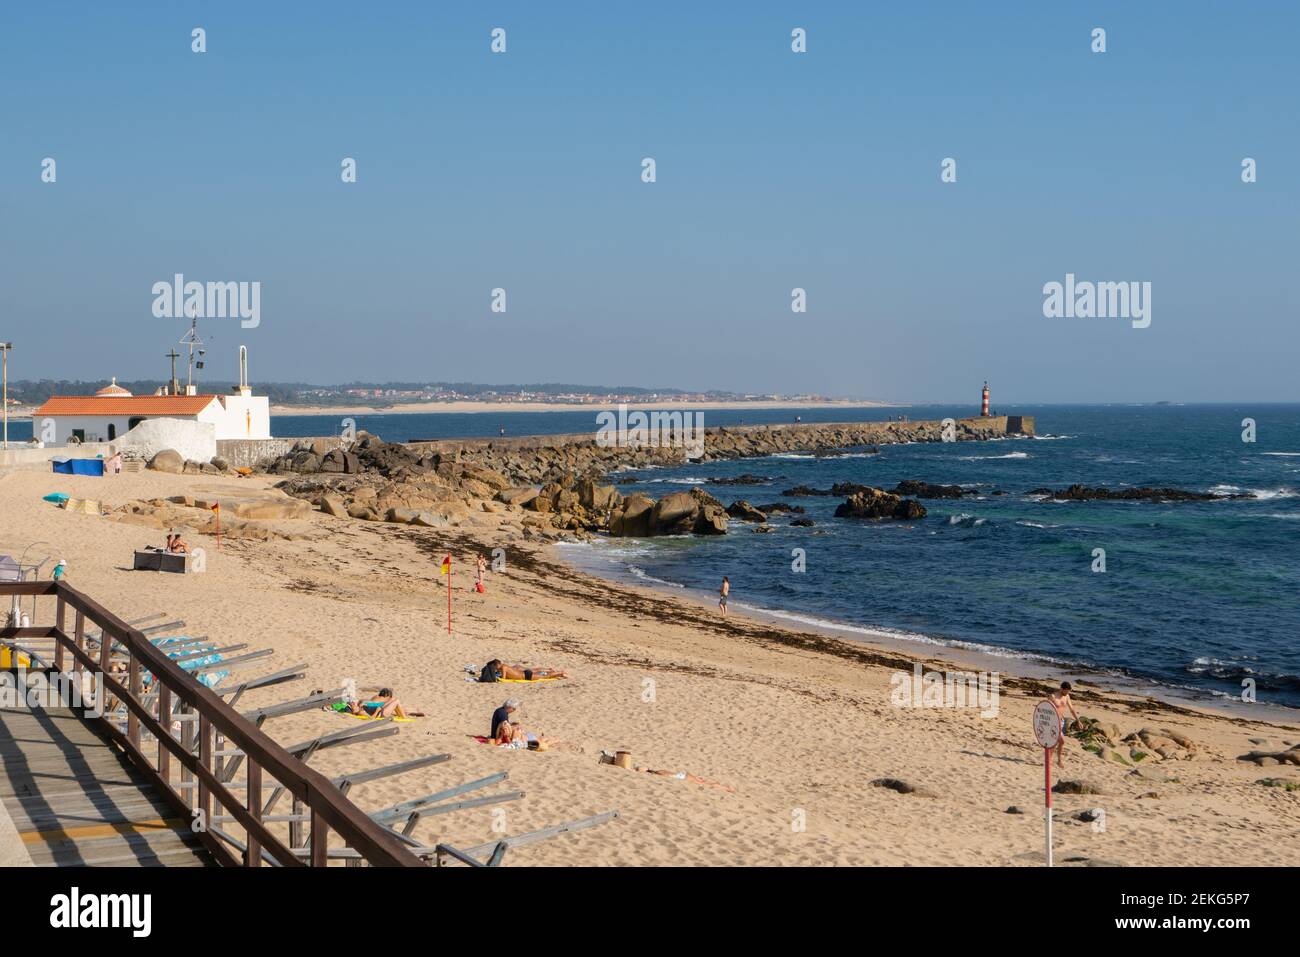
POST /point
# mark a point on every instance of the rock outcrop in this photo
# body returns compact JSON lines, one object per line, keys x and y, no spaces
{"x":877,"y":503}
{"x":745,"y":479}
{"x":680,"y":513}
{"x":746,"y":512}
{"x":919,"y":489}
{"x":1085,"y":493}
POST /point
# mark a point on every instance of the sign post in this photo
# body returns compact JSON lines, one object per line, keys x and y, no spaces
{"x":446,"y":570}
{"x":1047,"y":730}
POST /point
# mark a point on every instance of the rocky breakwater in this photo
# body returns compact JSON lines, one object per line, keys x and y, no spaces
{"x":552,"y":485}
{"x":535,"y":460}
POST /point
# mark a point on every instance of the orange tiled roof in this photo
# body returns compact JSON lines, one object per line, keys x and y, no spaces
{"x":124,"y":405}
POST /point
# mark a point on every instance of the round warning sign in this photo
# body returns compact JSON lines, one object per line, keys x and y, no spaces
{"x":1047,"y":724}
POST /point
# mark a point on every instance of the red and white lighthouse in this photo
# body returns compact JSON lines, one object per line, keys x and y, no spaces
{"x":984,"y":401}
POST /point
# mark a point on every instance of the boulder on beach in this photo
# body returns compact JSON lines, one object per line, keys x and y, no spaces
{"x":673,"y":510}
{"x":340,"y":460}
{"x":520,"y":495}
{"x":632,"y":518}
{"x":333,"y":505}
{"x":1271,"y":758}
{"x":1077,"y":787}
{"x":599,"y":498}
{"x":168,"y":460}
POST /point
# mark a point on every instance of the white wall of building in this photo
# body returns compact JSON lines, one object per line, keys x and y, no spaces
{"x":192,"y":439}
{"x":94,"y":428}
{"x":239,"y":417}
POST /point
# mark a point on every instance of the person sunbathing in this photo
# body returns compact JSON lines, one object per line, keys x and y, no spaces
{"x":512,"y":733}
{"x":176,"y":545}
{"x":687,"y":776}
{"x":496,"y":670}
{"x":382,"y":705}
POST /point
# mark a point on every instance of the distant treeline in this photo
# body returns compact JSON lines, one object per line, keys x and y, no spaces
{"x":31,"y":392}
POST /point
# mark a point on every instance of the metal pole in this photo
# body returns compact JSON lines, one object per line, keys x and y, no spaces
{"x":1047,"y":808}
{"x":5,"y":351}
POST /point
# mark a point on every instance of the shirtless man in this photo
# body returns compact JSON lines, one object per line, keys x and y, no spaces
{"x":517,"y":672}
{"x":1061,"y":699}
{"x":723,"y":592}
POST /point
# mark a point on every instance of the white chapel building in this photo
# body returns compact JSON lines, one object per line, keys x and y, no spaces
{"x":113,"y":411}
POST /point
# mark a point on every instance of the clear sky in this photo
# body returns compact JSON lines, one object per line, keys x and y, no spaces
{"x":775,"y":170}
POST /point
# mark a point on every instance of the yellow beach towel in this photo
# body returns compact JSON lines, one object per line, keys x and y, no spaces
{"x":7,"y":658}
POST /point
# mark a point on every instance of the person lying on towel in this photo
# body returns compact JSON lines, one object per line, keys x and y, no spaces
{"x":382,"y":705}
{"x":498,"y":670}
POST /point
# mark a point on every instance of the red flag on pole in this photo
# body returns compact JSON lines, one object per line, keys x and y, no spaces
{"x":446,"y":570}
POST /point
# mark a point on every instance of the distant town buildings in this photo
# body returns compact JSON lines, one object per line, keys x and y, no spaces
{"x":442,"y":393}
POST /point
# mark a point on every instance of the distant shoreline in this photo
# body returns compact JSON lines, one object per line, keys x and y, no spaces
{"x":408,"y":408}
{"x":412,"y":408}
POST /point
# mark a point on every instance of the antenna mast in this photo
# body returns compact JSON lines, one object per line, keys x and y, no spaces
{"x":192,"y":340}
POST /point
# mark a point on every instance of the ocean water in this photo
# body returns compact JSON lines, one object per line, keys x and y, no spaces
{"x":1194,"y":595}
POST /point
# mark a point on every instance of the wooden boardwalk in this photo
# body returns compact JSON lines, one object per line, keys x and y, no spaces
{"x":77,"y":801}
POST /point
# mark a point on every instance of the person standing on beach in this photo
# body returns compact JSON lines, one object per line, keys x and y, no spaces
{"x":723,"y":592}
{"x":478,"y":581}
{"x":61,"y":570}
{"x":1061,"y":699}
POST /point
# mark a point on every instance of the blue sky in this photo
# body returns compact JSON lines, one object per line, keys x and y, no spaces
{"x":775,"y":170}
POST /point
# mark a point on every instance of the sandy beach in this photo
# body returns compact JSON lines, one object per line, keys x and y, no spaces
{"x":798,"y":724}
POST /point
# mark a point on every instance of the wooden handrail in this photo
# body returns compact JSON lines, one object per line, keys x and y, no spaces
{"x":329,"y":808}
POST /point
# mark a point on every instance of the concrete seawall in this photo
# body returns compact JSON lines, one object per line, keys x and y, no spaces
{"x":250,"y":453}
{"x":254,"y":452}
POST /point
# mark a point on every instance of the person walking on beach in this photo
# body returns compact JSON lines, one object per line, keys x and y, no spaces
{"x":1061,"y":700}
{"x":723,"y":592}
{"x":61,"y":570}
{"x":478,"y":580}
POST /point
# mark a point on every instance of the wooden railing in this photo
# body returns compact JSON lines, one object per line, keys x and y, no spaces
{"x":176,"y":698}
